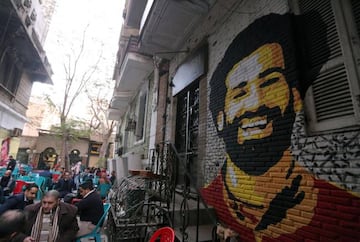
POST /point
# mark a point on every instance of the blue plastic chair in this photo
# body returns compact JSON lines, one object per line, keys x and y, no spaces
{"x":40,"y":181}
{"x":95,"y":180}
{"x":104,"y":189}
{"x":96,"y":231}
{"x":26,"y":178}
{"x":2,"y":171}
{"x":15,"y":174}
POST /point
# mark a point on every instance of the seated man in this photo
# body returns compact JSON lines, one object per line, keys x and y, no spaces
{"x":65,"y":185}
{"x":48,"y":177}
{"x":51,"y":219}
{"x":19,"y":201}
{"x":7,"y":183}
{"x":90,"y":208}
{"x":12,"y":225}
{"x":86,"y":175}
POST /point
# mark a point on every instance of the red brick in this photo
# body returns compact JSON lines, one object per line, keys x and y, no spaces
{"x":340,"y":231}
{"x":327,"y":219}
{"x":345,"y":216}
{"x":328,"y":233}
{"x":327,"y":239}
{"x":310,"y":236}
{"x":350,"y":224}
{"x":327,"y":205}
{"x":347,"y":209}
{"x":338,"y":200}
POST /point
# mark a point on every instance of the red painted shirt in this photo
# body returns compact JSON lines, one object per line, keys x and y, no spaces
{"x":336,"y":215}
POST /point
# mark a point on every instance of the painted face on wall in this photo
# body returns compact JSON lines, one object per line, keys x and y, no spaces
{"x":258,"y":103}
{"x":256,"y":87}
{"x":256,"y":90}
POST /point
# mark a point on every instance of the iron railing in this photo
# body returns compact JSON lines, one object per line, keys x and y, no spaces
{"x":166,"y":160}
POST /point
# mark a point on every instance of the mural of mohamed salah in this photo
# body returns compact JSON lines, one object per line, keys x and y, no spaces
{"x":256,"y":92}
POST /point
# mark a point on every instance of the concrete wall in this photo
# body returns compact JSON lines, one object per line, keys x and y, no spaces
{"x":134,"y":146}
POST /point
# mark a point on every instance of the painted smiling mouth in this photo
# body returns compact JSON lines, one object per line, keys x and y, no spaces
{"x":260,"y":124}
{"x":253,"y":126}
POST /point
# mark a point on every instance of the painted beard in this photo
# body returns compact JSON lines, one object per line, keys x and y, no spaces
{"x":257,"y":156}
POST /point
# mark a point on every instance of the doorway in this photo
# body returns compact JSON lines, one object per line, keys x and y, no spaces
{"x":187,"y":131}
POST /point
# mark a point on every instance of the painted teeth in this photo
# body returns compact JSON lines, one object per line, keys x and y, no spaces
{"x":254,"y":124}
{"x":252,"y":132}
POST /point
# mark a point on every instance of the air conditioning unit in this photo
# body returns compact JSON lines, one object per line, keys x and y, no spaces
{"x":16,"y":132}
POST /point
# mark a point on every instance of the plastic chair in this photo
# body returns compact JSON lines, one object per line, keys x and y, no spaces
{"x":25,"y":178}
{"x":95,"y":180}
{"x":15,"y":174}
{"x":40,"y":181}
{"x":96,"y":231}
{"x":103,"y":189}
{"x":56,"y":177}
{"x":165,"y":234}
{"x":2,"y":171}
{"x":20,"y":186}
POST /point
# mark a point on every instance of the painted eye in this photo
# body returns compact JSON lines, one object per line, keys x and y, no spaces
{"x":269,"y":82}
{"x":242,"y":93}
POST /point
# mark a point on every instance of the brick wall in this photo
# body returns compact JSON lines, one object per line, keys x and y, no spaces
{"x":289,"y":187}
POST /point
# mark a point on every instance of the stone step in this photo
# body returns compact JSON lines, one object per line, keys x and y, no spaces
{"x":204,"y":235}
{"x":206,"y":214}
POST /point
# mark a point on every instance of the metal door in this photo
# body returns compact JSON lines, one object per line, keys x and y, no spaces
{"x":187,"y":127}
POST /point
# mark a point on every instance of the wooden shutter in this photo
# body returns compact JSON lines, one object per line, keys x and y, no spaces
{"x":331,"y":93}
{"x":356,"y":12}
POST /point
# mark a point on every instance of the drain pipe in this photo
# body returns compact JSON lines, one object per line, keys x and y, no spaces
{"x":154,"y":104}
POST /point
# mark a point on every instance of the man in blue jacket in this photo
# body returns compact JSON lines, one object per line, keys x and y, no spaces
{"x":21,"y":200}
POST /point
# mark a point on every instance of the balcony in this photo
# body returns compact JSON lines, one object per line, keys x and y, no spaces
{"x":133,"y":12}
{"x":18,"y":21}
{"x":119,"y":104}
{"x":166,"y":24}
{"x":134,"y":68}
{"x":115,"y":114}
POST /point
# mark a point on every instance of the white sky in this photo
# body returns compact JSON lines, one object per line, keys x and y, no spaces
{"x":104,"y":21}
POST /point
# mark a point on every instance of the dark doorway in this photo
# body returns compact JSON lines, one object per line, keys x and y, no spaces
{"x":187,"y":129}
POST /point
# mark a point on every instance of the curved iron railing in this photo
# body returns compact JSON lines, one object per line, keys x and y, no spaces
{"x":167,"y":160}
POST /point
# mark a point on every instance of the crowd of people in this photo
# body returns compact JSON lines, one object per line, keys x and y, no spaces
{"x":71,"y":205}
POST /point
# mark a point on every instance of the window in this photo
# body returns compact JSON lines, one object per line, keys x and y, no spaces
{"x":10,"y":73}
{"x":332,"y":102}
{"x":140,"y":123}
{"x":95,"y":148}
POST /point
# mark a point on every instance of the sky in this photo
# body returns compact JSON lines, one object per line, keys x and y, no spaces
{"x":102,"y":21}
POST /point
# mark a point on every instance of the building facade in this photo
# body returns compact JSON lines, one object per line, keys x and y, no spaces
{"x":23,"y":62}
{"x":261,"y":103}
{"x":133,"y":94}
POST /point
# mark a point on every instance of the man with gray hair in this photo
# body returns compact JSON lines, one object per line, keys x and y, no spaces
{"x":51,"y":220}
{"x":12,"y":224}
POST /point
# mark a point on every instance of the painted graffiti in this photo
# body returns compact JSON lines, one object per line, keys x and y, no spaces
{"x":272,"y":180}
{"x":334,"y":157}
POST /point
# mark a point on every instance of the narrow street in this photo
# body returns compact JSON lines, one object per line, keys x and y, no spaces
{"x":187,"y":121}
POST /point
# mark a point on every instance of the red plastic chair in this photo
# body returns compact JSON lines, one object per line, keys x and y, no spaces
{"x":19,"y":185}
{"x":165,"y":234}
{"x":55,"y":177}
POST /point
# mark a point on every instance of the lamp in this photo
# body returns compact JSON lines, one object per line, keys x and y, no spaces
{"x":30,"y":154}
